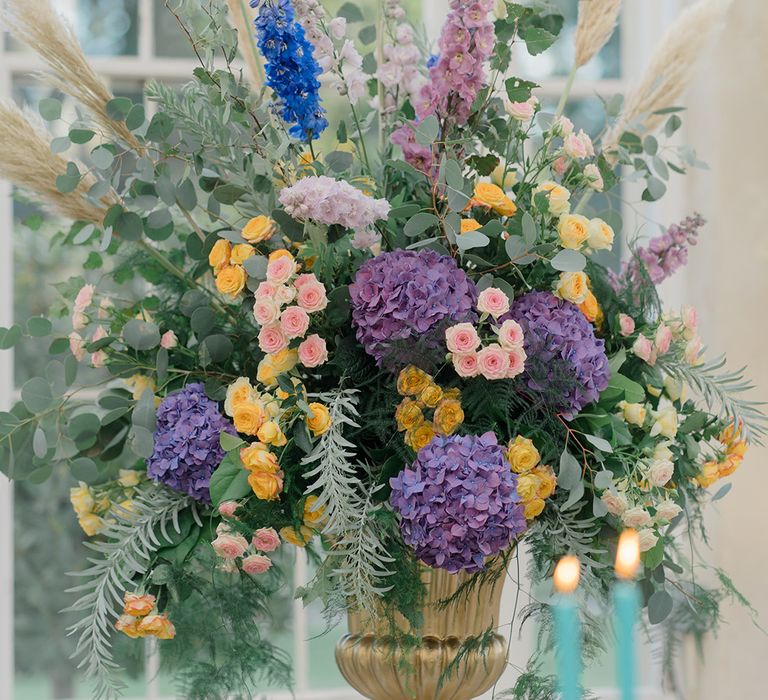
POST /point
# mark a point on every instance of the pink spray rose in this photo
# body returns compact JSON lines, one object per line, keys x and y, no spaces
{"x":266,"y":289}
{"x":229,"y":546}
{"x":643,"y":348}
{"x":465,"y":364}
{"x":510,"y":334}
{"x":265,"y":539}
{"x":256,"y":564}
{"x":493,"y":301}
{"x":517,"y":359}
{"x":266,"y":311}
{"x":281,"y":269}
{"x":99,"y":357}
{"x":574,"y":147}
{"x":663,"y":339}
{"x":272,"y":339}
{"x":294,"y":321}
{"x":77,"y":346}
{"x":493,"y":362}
{"x":462,"y":338}
{"x":228,"y":508}
{"x":304,"y":278}
{"x":312,"y":296}
{"x":626,"y":324}
{"x":313,"y":351}
{"x":169,"y":340}
{"x":84,"y":297}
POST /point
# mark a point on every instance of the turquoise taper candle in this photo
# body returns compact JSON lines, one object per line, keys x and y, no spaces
{"x":567,"y":629}
{"x":626,"y":606}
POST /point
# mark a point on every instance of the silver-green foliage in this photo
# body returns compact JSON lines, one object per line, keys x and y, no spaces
{"x":124,"y":550}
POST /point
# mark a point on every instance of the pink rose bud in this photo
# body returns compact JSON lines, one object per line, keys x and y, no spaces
{"x":229,"y":546}
{"x":169,"y":340}
{"x":466,"y":364}
{"x":626,"y":324}
{"x":493,"y":301}
{"x":266,"y":539}
{"x":690,"y":318}
{"x":256,"y":564}
{"x":462,"y":338}
{"x":574,"y":147}
{"x":560,"y":165}
{"x":313,"y":351}
{"x":272,"y":339}
{"x":294,"y":321}
{"x":228,"y":508}
{"x":493,"y":362}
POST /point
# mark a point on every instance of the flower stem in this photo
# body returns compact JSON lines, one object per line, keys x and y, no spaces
{"x":566,"y":92}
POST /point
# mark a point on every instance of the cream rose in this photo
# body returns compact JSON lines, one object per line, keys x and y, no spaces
{"x":573,"y":230}
{"x":600,"y":235}
{"x":636,"y":517}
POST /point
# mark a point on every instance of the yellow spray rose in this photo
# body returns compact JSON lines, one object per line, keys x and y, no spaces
{"x":573,"y":230}
{"x":258,"y":229}
{"x":266,"y":484}
{"x":468,"y":225}
{"x":633,"y":413}
{"x":573,"y":286}
{"x":138,"y":384}
{"x":273,"y":366}
{"x":81,"y":499}
{"x":91,"y":524}
{"x":248,"y":417}
{"x":138,"y":605}
{"x":258,"y":457}
{"x":230,"y":280}
{"x":157,"y":626}
{"x":420,"y":436}
{"x":320,"y":420}
{"x":220,"y":254}
{"x":533,"y":508}
{"x":591,"y":309}
{"x":600,"y":235}
{"x":522,"y":455}
{"x":547,"y":481}
{"x":412,"y":381}
{"x":313,"y":516}
{"x":299,"y":537}
{"x":271,"y":434}
{"x":239,"y":392}
{"x":448,"y":416}
{"x":489,"y":195}
{"x":431,"y":395}
{"x":128,"y":478}
{"x":528,"y":486}
{"x":665,"y":422}
{"x":241,"y":252}
{"x":506,"y":182}
{"x":558,"y":197}
{"x":128,"y":625}
{"x":408,"y":415}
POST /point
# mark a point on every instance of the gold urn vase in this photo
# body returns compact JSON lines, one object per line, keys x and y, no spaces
{"x":373,"y":663}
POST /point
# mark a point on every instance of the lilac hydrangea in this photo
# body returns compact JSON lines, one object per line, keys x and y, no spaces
{"x":402,"y":302}
{"x":458,"y":502}
{"x":187,"y":445}
{"x":566,"y":363}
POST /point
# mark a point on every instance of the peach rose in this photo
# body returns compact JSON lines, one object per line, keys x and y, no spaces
{"x":157,"y":626}
{"x":313,"y":352}
{"x":574,"y":147}
{"x":521,"y":111}
{"x":138,"y":605}
{"x":493,"y":362}
{"x":266,"y":311}
{"x":636,"y":517}
{"x":660,"y":472}
{"x":615,"y":502}
{"x":647,"y":539}
{"x":265,"y":539}
{"x":667,"y":510}
{"x":493,"y":301}
{"x":312,"y":296}
{"x":294,"y":321}
{"x":462,"y":338}
{"x":229,"y":546}
{"x":256,"y":564}
{"x":466,"y":364}
{"x":272,"y":339}
{"x":594,"y":177}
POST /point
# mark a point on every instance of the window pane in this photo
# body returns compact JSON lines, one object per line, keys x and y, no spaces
{"x":170,"y":40}
{"x":557,"y":61}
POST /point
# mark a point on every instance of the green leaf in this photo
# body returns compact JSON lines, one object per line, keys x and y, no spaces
{"x":39,"y":443}
{"x":219,"y":347}
{"x":530,"y":232}
{"x":50,"y":109}
{"x":483,"y":165}
{"x":36,"y":395}
{"x":338,"y":309}
{"x":141,"y":335}
{"x":569,"y":261}
{"x":81,"y":136}
{"x":427,"y":130}
{"x":129,"y":226}
{"x":203,"y":320}
{"x":577,"y":492}
{"x":600,"y":443}
{"x":338,"y":161}
{"x":350,"y":12}
{"x":603,"y":480}
{"x":368,"y":34}
{"x":472,"y":239}
{"x":10,"y":336}
{"x":135,"y":118}
{"x":69,"y":181}
{"x":420,"y":223}
{"x":537,"y":40}
{"x":660,"y":605}
{"x":186,"y":195}
{"x":696,"y":421}
{"x":39,"y":326}
{"x":672,"y":125}
{"x":230,"y":480}
{"x":633,"y":392}
{"x":102,"y":157}
{"x":570,"y":471}
{"x":118,"y":108}
{"x":228,"y":194}
{"x":519,"y":90}
{"x":160,"y":127}
{"x":301,"y":436}
{"x":192,"y":300}
{"x":230,"y":442}
{"x":404,"y":211}
{"x":654,"y":189}
{"x":141,"y":441}
{"x":84,"y":469}
{"x":722,"y":492}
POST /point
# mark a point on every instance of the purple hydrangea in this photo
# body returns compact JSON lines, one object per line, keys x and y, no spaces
{"x":187,"y":446}
{"x":566,"y":363}
{"x":402,"y":302}
{"x":458,"y":502}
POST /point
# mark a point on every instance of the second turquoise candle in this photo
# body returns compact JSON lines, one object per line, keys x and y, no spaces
{"x":626,"y":602}
{"x":568,"y":635}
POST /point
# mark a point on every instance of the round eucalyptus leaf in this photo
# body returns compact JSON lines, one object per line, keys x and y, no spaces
{"x":84,"y":469}
{"x":141,"y":335}
{"x":660,"y":605}
{"x":36,"y":395}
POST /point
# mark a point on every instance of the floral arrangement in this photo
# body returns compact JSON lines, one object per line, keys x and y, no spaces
{"x":394,"y":338}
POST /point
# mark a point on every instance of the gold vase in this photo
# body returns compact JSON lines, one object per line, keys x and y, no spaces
{"x":373,"y":663}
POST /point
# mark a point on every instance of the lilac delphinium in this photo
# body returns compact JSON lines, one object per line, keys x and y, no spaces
{"x":566,"y":363}
{"x":187,"y":442}
{"x":403,"y":300}
{"x":458,"y":502}
{"x":664,"y":255}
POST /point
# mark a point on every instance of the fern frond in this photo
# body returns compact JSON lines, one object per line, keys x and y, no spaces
{"x":124,"y":551}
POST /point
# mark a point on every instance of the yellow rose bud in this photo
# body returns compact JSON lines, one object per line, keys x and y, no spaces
{"x":138,"y":605}
{"x":299,"y":537}
{"x":573,"y":230}
{"x":91,"y":524}
{"x":468,"y":225}
{"x":230,"y":280}
{"x":533,"y":509}
{"x":558,"y":197}
{"x":241,"y":252}
{"x":522,"y":455}
{"x":600,"y":235}
{"x":81,"y":499}
{"x":248,"y":417}
{"x":266,"y":484}
{"x":219,"y":255}
{"x":128,"y":625}
{"x":431,"y":395}
{"x":547,"y":481}
{"x":420,"y":436}
{"x":128,"y":478}
{"x":272,"y":366}
{"x":157,"y":626}
{"x":258,"y":229}
{"x":448,"y":416}
{"x":313,"y":516}
{"x":573,"y":286}
{"x":412,"y":381}
{"x":528,"y":486}
{"x":320,"y":420}
{"x":408,"y":415}
{"x":665,"y":422}
{"x":271,"y":434}
{"x":633,"y":413}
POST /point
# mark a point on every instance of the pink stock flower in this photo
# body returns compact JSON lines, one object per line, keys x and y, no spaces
{"x":462,"y":338}
{"x":313,"y":351}
{"x":229,"y":546}
{"x":510,"y":334}
{"x":517,"y":359}
{"x":626,"y":324}
{"x":272,"y":339}
{"x":493,"y":301}
{"x":643,"y":348}
{"x":256,"y":564}
{"x":663,"y":339}
{"x":294,"y":321}
{"x":84,"y":297}
{"x":465,"y":364}
{"x":312,"y":296}
{"x":169,"y":340}
{"x":77,"y":346}
{"x":266,"y":311}
{"x":493,"y":362}
{"x":228,"y":508}
{"x":265,"y":539}
{"x":281,"y":269}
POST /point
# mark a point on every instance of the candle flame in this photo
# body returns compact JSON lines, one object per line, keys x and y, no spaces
{"x":628,"y":554}
{"x":567,"y":574}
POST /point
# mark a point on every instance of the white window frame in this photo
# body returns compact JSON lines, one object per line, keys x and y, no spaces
{"x":641,"y":23}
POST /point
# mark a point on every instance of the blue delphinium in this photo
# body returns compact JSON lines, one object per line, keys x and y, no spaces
{"x":291,"y":67}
